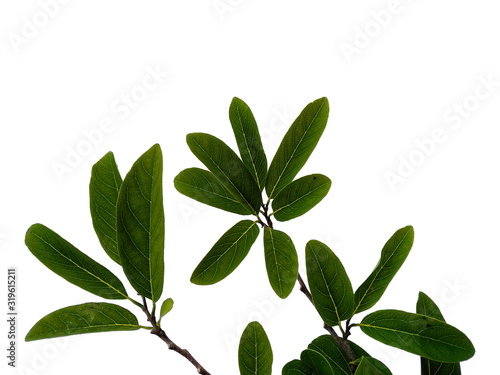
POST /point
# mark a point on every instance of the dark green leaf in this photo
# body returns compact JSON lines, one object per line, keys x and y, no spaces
{"x":330,"y":286}
{"x":426,"y":306}
{"x":227,"y":167}
{"x":317,"y":362}
{"x":297,"y":367}
{"x":297,"y":145}
{"x":228,"y":252}
{"x":166,"y":306}
{"x":393,"y":255}
{"x":418,"y":334}
{"x":255,"y":356}
{"x":71,"y":264}
{"x":358,"y":351}
{"x":300,"y":196}
{"x":105,"y":183}
{"x":372,"y":366}
{"x":327,"y":346}
{"x":141,"y":224}
{"x":85,"y":318}
{"x":247,"y":137}
{"x":282,"y":263}
{"x":204,"y":187}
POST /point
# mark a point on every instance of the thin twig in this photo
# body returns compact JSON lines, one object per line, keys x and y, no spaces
{"x":344,"y":345}
{"x":156,"y":330}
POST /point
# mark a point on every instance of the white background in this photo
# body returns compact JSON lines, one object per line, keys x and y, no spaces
{"x":401,"y":85}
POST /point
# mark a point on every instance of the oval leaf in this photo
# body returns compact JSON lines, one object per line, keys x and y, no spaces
{"x":255,"y":355}
{"x":297,"y":145}
{"x":105,"y":183}
{"x":357,"y":350}
{"x":426,"y":306}
{"x":394,"y":253}
{"x":418,"y":334}
{"x":204,"y":187}
{"x":327,"y":346}
{"x":85,"y":318}
{"x":166,"y":306}
{"x":227,"y":253}
{"x":227,"y":168}
{"x":71,"y":264}
{"x":248,"y":139}
{"x":282,"y":263}
{"x":317,"y":362}
{"x":372,"y":366}
{"x":330,"y":286}
{"x":297,"y":367}
{"x":141,"y":224}
{"x":300,"y":196}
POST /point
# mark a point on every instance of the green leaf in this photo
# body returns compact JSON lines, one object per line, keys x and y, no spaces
{"x":255,"y":355}
{"x":394,"y":253}
{"x":317,"y":362}
{"x":141,"y":224}
{"x":166,"y":306}
{"x":71,"y":264}
{"x":418,"y":334}
{"x":248,"y":139}
{"x":327,"y":346}
{"x":204,"y":187}
{"x":282,"y":263}
{"x":105,"y":183}
{"x":297,"y":367}
{"x":300,"y":196}
{"x":297,"y":145}
{"x":85,"y":318}
{"x":372,"y":366}
{"x":330,"y":286}
{"x":227,"y":253}
{"x":426,"y":306}
{"x":357,"y":350}
{"x":227,"y":168}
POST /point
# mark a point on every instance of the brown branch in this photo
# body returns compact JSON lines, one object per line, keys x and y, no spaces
{"x":156,"y":330}
{"x":344,"y":345}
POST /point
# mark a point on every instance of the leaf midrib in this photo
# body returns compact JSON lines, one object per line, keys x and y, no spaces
{"x":295,"y":149}
{"x":78,"y":266}
{"x":227,"y":178}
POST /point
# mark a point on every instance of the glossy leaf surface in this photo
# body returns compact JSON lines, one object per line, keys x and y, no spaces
{"x":371,"y":366}
{"x":203,"y":186}
{"x":300,"y":196}
{"x":71,"y":264}
{"x":282,"y":263}
{"x":297,"y":145}
{"x":418,"y":334}
{"x":166,"y":307}
{"x":394,"y":253}
{"x":330,"y":286}
{"x":327,"y":346}
{"x":248,"y":139}
{"x":85,"y":318}
{"x":317,"y":362}
{"x":227,"y":253}
{"x":227,"y":168}
{"x":426,"y":306}
{"x":105,"y":183}
{"x":297,"y":367}
{"x":255,"y":355}
{"x":141,"y":224}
